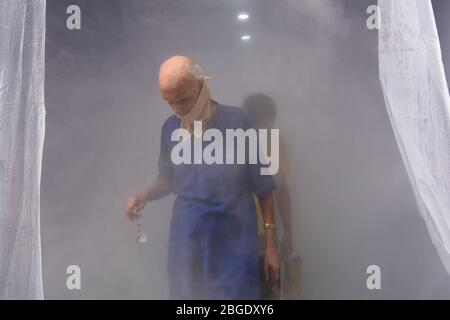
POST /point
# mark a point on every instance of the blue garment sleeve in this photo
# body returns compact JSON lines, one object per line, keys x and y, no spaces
{"x":259,"y":184}
{"x":164,"y":162}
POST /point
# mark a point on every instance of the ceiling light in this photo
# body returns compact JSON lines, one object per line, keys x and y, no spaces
{"x":243,"y":16}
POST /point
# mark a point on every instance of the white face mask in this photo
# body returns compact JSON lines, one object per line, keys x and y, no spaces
{"x":201,"y":111}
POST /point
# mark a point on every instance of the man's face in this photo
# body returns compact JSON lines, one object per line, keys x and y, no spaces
{"x":181,"y":97}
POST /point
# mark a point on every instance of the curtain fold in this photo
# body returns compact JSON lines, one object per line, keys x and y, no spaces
{"x":22,"y":131}
{"x":417,"y":100}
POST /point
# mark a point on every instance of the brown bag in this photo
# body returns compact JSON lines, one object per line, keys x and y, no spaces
{"x":291,"y":284}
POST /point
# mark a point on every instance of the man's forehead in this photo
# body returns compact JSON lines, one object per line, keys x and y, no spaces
{"x":174,"y":93}
{"x":176,"y":83}
{"x":174,"y":80}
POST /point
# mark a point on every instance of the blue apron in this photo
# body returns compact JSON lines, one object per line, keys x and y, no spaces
{"x":213,"y":244}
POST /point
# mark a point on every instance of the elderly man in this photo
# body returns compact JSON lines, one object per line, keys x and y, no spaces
{"x":213,"y":245}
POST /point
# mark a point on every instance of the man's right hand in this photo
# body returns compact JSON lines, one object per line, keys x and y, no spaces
{"x":133,"y":205}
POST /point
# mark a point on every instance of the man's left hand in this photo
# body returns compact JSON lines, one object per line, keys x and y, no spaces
{"x":272,"y":268}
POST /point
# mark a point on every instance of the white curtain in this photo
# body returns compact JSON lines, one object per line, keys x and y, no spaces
{"x":22,"y":129}
{"x":417,"y":100}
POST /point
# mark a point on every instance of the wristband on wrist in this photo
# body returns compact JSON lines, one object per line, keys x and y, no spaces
{"x":269,"y":226}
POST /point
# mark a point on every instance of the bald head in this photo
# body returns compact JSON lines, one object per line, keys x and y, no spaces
{"x":175,"y":70}
{"x":179,"y":83}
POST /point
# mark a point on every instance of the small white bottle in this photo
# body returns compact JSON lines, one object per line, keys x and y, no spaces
{"x":141,"y":237}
